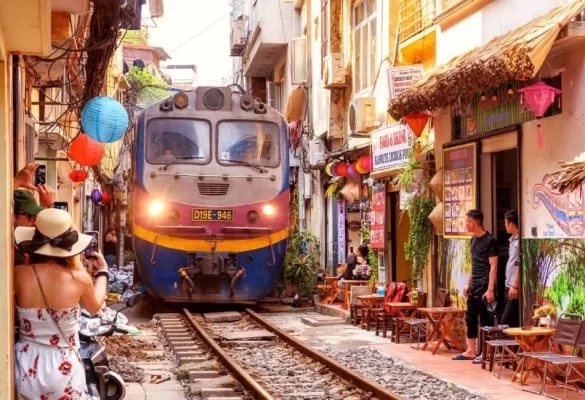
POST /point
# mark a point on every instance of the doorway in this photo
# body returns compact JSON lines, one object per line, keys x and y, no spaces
{"x":499,"y":194}
{"x":399,"y":227}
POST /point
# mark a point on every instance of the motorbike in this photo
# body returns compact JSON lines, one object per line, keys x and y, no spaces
{"x":102,"y":383}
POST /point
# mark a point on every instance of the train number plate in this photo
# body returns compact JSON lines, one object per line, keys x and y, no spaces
{"x":213,"y":215}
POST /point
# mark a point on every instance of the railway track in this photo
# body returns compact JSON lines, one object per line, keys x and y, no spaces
{"x":266,"y":362}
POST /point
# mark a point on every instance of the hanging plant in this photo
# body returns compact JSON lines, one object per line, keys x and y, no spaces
{"x":418,"y":245}
{"x":405,"y":178}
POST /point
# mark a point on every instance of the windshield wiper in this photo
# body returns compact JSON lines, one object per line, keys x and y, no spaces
{"x":247,"y":164}
{"x":177,"y":158}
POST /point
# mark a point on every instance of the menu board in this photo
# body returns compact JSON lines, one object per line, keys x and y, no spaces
{"x":459,"y":188}
{"x":378,"y":217}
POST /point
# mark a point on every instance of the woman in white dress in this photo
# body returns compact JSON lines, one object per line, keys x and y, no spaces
{"x":48,"y":292}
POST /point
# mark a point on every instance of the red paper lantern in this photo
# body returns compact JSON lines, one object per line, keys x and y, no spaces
{"x":417,"y":122}
{"x":341,"y":169}
{"x":86,"y":151}
{"x":106,"y":198}
{"x":77,"y":175}
{"x":539,"y":97}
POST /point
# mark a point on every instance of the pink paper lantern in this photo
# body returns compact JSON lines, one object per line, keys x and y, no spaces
{"x":539,"y":97}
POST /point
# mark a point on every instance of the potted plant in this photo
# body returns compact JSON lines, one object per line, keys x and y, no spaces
{"x":302,"y":264}
{"x":546,"y":315}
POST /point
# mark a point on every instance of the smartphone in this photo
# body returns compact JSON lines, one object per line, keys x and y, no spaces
{"x":41,"y":175}
{"x":94,"y":245}
{"x":61,"y":205}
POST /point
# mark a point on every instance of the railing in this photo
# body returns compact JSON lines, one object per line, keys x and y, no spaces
{"x":415,"y":16}
{"x":446,"y":4}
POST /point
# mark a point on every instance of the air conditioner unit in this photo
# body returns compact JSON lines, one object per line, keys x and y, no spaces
{"x":299,"y":60}
{"x":334,"y":71}
{"x":362,"y":115}
{"x":239,"y":34}
{"x":31,"y":141}
{"x":316,"y":154}
{"x":307,"y":187}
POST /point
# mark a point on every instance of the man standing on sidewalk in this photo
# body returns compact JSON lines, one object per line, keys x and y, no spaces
{"x":511,"y":314}
{"x":480,"y":287}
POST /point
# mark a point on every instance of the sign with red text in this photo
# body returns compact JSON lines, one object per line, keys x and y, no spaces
{"x":459,"y":188}
{"x":401,"y":78}
{"x":391,"y":147}
{"x":378,"y":217}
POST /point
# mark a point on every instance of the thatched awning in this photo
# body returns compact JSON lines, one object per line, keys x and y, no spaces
{"x":519,"y":53}
{"x":571,"y":175}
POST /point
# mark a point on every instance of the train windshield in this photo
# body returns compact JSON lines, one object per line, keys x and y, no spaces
{"x":254,"y":142}
{"x":181,"y":141}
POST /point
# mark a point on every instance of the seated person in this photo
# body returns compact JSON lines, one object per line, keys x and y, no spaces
{"x":167,"y":156}
{"x":352,"y":261}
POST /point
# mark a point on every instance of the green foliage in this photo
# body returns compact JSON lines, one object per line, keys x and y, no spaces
{"x":405,"y":178}
{"x":559,"y":289}
{"x":301,"y":269}
{"x":418,"y":245}
{"x":373,"y":262}
{"x":577,"y":303}
{"x":136,"y":37}
{"x":144,"y":83}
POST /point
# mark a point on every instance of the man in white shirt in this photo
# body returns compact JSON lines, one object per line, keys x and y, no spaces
{"x":511,"y":314}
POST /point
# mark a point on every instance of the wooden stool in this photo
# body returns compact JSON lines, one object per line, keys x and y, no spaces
{"x":489,"y":333}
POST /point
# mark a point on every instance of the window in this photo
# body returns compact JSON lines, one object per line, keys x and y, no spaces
{"x":185,"y":141}
{"x":275,"y":95}
{"x":364,"y":43}
{"x":324,"y":31}
{"x":248,"y":141}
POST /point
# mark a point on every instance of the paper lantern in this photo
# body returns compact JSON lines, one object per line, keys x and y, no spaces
{"x":359,"y":168}
{"x":340,"y":169}
{"x":352,"y":171}
{"x":328,"y":169}
{"x":350,"y":191}
{"x":539,"y":97}
{"x":366,"y":163}
{"x":77,"y":175}
{"x":86,"y":151}
{"x":436,"y":184}
{"x":104,"y":119}
{"x":436,"y":217}
{"x":96,"y":197}
{"x":417,"y":122}
{"x":106,"y":198}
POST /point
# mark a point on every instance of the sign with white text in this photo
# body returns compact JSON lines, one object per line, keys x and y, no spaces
{"x":402,"y":78}
{"x":391,"y":147}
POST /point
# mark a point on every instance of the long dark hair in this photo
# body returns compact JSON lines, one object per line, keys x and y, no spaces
{"x":364,"y":250}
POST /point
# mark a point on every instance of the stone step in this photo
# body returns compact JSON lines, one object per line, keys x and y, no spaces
{"x":196,"y":375}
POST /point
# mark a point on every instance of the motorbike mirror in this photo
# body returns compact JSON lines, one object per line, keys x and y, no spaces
{"x":133,"y":300}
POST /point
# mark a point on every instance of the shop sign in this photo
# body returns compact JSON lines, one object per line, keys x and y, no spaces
{"x":378,"y":217}
{"x":401,"y":78}
{"x":391,"y":147}
{"x":459,"y":188}
{"x":341,"y":231}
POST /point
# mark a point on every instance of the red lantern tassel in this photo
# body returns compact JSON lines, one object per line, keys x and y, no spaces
{"x":539,"y":137}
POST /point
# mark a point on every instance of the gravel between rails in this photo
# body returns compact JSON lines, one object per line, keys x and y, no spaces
{"x":400,"y":377}
{"x":284,"y":372}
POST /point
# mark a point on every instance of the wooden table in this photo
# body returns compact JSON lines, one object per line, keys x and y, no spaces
{"x":536,"y":339}
{"x":347,"y":290}
{"x":436,"y":317}
{"x":330,"y":290}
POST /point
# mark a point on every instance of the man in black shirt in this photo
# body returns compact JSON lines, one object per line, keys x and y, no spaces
{"x":480,"y":287}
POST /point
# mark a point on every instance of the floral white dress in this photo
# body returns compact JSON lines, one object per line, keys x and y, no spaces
{"x":47,"y":367}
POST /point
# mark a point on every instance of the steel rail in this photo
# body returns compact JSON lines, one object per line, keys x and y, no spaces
{"x":242,"y":376}
{"x":350,"y":376}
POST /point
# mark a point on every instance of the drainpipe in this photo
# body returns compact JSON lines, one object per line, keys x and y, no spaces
{"x":16,"y":111}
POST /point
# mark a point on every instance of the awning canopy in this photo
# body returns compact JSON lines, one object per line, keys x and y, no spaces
{"x":571,"y":176}
{"x":519,"y":53}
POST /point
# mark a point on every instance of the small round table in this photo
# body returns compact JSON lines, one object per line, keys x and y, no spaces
{"x":531,"y":340}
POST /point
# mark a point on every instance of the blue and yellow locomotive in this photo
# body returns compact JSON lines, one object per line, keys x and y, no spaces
{"x":210,"y":197}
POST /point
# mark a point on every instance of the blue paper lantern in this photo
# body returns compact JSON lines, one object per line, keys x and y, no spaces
{"x":104,"y":119}
{"x":96,"y":197}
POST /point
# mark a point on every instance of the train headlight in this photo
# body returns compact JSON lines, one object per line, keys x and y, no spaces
{"x":268,"y":209}
{"x":213,"y":99}
{"x":173,"y":215}
{"x":252,"y":217}
{"x":155,"y":208}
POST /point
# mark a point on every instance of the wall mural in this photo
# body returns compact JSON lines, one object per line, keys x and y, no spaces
{"x":566,"y":209}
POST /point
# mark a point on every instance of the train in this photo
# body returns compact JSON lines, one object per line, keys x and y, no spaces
{"x":210,"y":197}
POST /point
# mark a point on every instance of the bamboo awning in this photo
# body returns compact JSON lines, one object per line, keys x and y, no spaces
{"x":517,"y":54}
{"x":571,"y":175}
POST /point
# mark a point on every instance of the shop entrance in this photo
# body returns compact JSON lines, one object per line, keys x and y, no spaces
{"x":499,"y":193}
{"x":399,"y":226}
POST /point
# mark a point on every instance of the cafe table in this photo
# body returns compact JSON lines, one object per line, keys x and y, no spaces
{"x":442,"y":325}
{"x":534,"y":339}
{"x":330,"y":289}
{"x":399,"y":312}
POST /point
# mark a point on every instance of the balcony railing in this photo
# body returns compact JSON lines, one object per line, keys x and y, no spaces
{"x":415,"y":16}
{"x":446,"y":4}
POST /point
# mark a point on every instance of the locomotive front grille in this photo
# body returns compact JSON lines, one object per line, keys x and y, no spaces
{"x":213,"y":189}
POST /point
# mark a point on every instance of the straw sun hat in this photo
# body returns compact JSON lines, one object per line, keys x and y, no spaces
{"x":53,"y":236}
